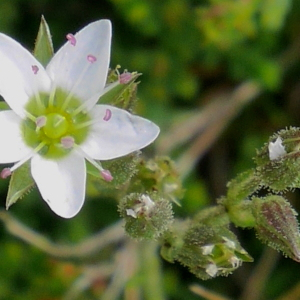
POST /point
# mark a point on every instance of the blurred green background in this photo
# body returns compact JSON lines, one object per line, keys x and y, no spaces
{"x":219,"y":77}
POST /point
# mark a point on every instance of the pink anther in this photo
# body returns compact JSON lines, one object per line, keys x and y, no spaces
{"x":67,"y":142}
{"x":108,"y":114}
{"x":91,"y":58}
{"x":6,"y":172}
{"x":106,"y":175}
{"x":125,"y":77}
{"x":34,"y":69}
{"x":71,"y":38}
{"x":41,"y":121}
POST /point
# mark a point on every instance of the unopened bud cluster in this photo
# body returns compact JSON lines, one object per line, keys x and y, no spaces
{"x":208,"y":251}
{"x":277,"y":170}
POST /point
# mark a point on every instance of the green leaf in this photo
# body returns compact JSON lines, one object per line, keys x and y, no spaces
{"x":43,"y":50}
{"x":21,"y":183}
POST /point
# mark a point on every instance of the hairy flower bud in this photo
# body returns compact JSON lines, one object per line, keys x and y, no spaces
{"x":159,"y":175}
{"x":280,"y":159}
{"x":146,"y":216}
{"x":276,"y":225}
{"x":208,"y":251}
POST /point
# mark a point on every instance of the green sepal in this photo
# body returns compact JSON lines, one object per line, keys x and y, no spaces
{"x":21,"y":182}
{"x":4,"y":106}
{"x":43,"y":50}
{"x":240,"y":188}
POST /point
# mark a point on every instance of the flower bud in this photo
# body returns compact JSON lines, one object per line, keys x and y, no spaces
{"x":280,"y":159}
{"x":160,"y":175}
{"x":276,"y":149}
{"x":146,"y":216}
{"x":121,"y":89}
{"x":276,"y":225}
{"x":208,"y":251}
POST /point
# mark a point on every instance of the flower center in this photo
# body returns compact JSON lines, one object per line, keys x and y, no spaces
{"x":54,"y":125}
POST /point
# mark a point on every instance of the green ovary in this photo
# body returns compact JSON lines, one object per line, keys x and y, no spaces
{"x":61,"y":120}
{"x":56,"y":126}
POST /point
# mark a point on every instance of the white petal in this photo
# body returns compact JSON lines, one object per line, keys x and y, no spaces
{"x":276,"y":149}
{"x":211,"y":270}
{"x":17,"y":80}
{"x":61,"y":183}
{"x":122,"y":134}
{"x":12,"y":147}
{"x":70,"y":68}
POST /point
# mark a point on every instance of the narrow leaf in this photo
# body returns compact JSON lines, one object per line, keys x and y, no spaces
{"x":43,"y":50}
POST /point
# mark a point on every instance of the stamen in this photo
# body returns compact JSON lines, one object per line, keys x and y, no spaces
{"x":35,"y":69}
{"x":106,"y":175}
{"x":107,"y":117}
{"x":125,"y":77}
{"x":51,"y":97}
{"x":38,"y":100}
{"x":71,"y":38}
{"x":67,"y":142}
{"x":85,"y":124}
{"x":6,"y":172}
{"x":108,"y":114}
{"x":27,"y":157}
{"x":30,"y":116}
{"x":40,"y":121}
{"x":91,"y":58}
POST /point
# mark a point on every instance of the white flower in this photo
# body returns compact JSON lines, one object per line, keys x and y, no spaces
{"x":55,"y":121}
{"x":276,"y":149}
